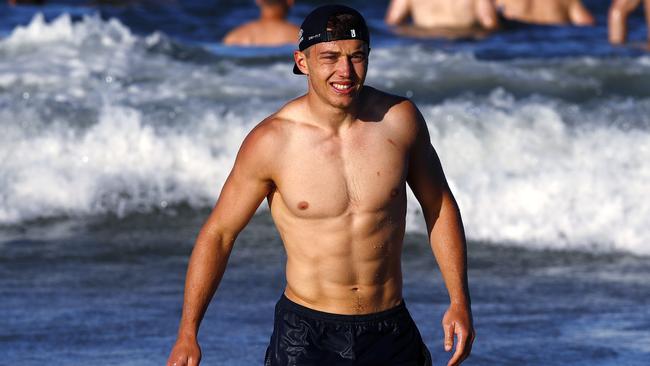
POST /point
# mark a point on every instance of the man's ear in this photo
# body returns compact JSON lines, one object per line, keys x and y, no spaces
{"x":301,"y":61}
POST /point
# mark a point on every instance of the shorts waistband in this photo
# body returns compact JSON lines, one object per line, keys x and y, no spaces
{"x":287,"y":304}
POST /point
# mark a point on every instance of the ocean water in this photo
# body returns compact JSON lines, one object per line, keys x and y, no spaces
{"x":118,"y":125}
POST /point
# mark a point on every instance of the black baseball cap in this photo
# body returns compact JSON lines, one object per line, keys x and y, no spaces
{"x":343,"y":21}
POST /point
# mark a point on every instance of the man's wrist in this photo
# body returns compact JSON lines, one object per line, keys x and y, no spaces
{"x":460,"y":301}
{"x":187,"y":333}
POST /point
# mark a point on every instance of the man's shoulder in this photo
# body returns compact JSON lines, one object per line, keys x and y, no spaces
{"x":390,"y":107}
{"x":398,"y":114}
{"x":265,"y":134}
{"x":290,"y":27}
{"x":272,"y":132}
{"x":241,"y":35}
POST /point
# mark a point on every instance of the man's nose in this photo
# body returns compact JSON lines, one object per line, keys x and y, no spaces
{"x":344,"y":67}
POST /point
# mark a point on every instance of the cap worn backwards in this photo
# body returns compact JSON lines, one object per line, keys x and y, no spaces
{"x":331,"y":23}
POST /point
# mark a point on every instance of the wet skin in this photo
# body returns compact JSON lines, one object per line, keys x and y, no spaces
{"x":443,"y":15}
{"x":334,"y":165}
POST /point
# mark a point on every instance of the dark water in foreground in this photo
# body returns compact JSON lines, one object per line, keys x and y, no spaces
{"x":111,"y":295}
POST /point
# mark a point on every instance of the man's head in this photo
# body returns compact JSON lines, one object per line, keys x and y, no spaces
{"x":333,"y":53}
{"x":281,"y":6}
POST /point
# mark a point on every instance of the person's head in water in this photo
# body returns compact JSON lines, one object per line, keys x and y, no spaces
{"x":275,"y":8}
{"x":333,"y":49}
{"x":271,"y":29}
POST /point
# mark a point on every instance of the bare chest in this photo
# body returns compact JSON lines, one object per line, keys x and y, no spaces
{"x":329,"y":177}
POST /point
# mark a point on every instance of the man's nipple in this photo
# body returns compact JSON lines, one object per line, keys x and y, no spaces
{"x":303,"y":205}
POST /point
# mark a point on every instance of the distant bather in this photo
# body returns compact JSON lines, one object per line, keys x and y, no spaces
{"x":271,"y":29}
{"x":548,"y":12}
{"x":617,"y":19}
{"x":450,"y":14}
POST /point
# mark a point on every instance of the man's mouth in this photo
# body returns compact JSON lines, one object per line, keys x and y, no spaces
{"x":342,"y":87}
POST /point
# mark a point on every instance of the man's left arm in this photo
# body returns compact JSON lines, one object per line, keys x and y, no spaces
{"x":446,"y":236}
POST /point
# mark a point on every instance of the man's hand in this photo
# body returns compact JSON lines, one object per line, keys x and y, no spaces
{"x":186,"y":352}
{"x":458,"y":321}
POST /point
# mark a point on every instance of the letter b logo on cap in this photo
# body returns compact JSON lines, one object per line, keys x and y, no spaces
{"x":353,"y":33}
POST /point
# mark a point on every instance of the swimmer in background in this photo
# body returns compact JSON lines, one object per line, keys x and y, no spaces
{"x":443,"y":18}
{"x":546,"y":12}
{"x":271,"y":29}
{"x":617,"y":19}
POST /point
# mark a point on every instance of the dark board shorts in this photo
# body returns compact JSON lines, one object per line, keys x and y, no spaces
{"x":306,"y":337}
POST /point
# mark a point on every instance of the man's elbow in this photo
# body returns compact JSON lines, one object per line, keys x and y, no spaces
{"x":445,"y":206}
{"x":218,"y":238}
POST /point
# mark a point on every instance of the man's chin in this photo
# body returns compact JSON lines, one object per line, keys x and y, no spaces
{"x":344,"y":104}
{"x":345,"y":100}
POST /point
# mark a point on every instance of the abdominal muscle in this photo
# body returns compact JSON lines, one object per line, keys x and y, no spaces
{"x":348,"y":264}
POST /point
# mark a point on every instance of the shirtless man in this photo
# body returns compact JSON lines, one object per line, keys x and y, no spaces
{"x":333,"y":165}
{"x":272,"y":29}
{"x":618,"y":14}
{"x":443,"y":14}
{"x":546,"y":12}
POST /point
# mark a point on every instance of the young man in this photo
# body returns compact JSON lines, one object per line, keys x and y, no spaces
{"x":271,"y":29}
{"x":618,"y":13}
{"x":333,"y":165}
{"x":547,"y":12}
{"x":443,"y":14}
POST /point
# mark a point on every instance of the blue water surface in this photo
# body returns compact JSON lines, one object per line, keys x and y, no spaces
{"x":206,"y":22}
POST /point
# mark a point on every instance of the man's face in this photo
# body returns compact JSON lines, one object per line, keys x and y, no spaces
{"x":337,"y":70}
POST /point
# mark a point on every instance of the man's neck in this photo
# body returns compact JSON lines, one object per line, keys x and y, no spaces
{"x":330,"y":117}
{"x":273,"y":13}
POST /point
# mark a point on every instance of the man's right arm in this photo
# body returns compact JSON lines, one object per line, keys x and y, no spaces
{"x":247,"y":185}
{"x":617,"y":19}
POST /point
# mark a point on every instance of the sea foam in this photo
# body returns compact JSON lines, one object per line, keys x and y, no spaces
{"x":539,"y":153}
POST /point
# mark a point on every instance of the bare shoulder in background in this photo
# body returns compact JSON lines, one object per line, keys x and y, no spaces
{"x":271,"y":29}
{"x":442,"y":18}
{"x":546,"y":12}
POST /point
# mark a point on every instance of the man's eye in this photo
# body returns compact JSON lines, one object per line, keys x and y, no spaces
{"x":359,"y":58}
{"x":328,"y":58}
